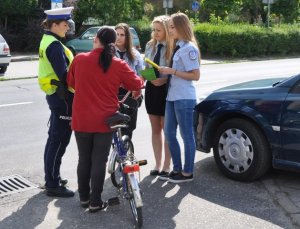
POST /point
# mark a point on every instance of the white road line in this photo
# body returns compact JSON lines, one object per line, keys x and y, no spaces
{"x":14,"y":104}
{"x":209,"y":82}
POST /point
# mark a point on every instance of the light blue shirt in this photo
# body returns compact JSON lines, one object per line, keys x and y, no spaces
{"x":150,"y":54}
{"x":137,"y":64}
{"x":185,"y":59}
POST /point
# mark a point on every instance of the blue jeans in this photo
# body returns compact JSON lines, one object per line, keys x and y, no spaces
{"x":180,"y":112}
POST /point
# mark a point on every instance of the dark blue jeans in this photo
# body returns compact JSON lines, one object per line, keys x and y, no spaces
{"x":180,"y":113}
{"x":59,"y":135}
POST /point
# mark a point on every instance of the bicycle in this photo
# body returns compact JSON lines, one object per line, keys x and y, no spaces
{"x":124,"y":167}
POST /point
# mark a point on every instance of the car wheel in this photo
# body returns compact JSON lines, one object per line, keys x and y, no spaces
{"x":241,"y":150}
{"x":3,"y":69}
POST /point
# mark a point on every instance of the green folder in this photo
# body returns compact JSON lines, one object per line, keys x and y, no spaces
{"x":148,"y":74}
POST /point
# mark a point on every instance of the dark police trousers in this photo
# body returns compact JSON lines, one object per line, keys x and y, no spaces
{"x":59,"y":135}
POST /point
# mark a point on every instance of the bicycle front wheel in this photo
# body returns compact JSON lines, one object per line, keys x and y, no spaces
{"x":116,"y":176}
{"x":136,"y":208}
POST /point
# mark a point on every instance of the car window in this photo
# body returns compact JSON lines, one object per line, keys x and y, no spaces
{"x":134,"y":33}
{"x":296,"y":88}
{"x":89,"y":34}
{"x":1,"y":39}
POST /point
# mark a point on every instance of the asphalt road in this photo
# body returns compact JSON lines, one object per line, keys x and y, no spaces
{"x":211,"y":201}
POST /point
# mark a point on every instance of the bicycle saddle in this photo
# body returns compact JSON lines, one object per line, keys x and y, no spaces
{"x":118,"y":118}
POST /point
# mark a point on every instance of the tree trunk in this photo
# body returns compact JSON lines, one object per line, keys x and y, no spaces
{"x":5,"y":23}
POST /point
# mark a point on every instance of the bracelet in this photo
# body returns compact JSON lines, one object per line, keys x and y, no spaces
{"x":175,"y":72}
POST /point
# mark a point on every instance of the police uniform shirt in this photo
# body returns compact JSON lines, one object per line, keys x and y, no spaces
{"x":185,"y":59}
{"x":137,"y":64}
{"x":150,"y":54}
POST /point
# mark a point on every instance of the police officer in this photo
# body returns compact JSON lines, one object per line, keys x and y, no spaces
{"x":181,"y":98}
{"x":54,"y":61}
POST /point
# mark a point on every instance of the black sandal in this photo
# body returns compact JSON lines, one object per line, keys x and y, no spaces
{"x":154,"y":172}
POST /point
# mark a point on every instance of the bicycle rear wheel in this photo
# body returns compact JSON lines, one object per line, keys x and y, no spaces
{"x":136,"y":211}
{"x":116,"y":176}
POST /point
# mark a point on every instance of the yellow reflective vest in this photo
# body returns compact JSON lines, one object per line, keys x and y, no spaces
{"x":46,"y":72}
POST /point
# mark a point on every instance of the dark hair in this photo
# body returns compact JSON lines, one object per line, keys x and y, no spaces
{"x":47,"y":23}
{"x":128,"y":40}
{"x":107,"y":36}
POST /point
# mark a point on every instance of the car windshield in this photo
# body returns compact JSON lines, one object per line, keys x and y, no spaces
{"x":2,"y":39}
{"x":90,"y":34}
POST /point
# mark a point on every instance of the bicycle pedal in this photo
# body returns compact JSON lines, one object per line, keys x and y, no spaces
{"x":142,"y":162}
{"x":113,"y":201}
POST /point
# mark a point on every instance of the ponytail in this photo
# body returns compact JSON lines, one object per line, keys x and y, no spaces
{"x":107,"y":36}
{"x":106,"y":56}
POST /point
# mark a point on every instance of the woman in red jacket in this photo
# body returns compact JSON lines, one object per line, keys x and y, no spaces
{"x":96,"y":77}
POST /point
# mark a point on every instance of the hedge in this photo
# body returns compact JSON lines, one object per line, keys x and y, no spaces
{"x":241,"y":40}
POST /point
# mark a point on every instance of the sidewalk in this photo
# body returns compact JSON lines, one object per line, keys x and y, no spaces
{"x":18,"y":58}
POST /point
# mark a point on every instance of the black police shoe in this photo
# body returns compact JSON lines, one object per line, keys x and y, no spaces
{"x":60,"y":191}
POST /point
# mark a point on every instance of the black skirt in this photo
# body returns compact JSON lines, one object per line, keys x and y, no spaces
{"x":155,"y":99}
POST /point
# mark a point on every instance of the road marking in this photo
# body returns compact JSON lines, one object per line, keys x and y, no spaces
{"x":210,"y":82}
{"x":14,"y":104}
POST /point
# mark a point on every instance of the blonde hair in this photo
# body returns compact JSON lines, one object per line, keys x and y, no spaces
{"x":163,"y":20}
{"x":183,"y":27}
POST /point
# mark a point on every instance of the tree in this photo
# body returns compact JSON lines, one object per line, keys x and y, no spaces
{"x":12,"y":10}
{"x":289,"y":9}
{"x":108,"y":12}
{"x":220,"y":8}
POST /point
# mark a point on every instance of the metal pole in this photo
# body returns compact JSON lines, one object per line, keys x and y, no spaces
{"x":167,"y":6}
{"x":269,"y":6}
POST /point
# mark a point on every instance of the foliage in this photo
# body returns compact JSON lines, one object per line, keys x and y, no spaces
{"x":288,"y":9}
{"x":244,"y":40}
{"x":108,"y":12}
{"x":143,"y":28}
{"x":15,"y":10}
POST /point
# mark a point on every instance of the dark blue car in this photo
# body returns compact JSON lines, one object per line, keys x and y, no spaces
{"x":251,"y":126}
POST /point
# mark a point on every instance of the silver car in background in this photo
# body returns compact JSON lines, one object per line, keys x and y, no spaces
{"x":5,"y":56}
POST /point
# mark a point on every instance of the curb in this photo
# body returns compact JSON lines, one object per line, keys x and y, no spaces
{"x":283,"y":200}
{"x":24,"y":58}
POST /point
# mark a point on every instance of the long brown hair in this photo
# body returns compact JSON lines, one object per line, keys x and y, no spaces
{"x":183,"y":27}
{"x":128,"y":40}
{"x":163,"y":20}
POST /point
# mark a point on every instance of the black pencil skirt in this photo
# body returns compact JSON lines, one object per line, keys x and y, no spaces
{"x":155,"y":99}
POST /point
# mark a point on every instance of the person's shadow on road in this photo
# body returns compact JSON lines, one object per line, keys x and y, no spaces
{"x":184,"y":205}
{"x":30,"y":215}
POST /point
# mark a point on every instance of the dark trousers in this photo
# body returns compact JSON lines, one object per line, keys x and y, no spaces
{"x":93,"y":151}
{"x":59,"y":135}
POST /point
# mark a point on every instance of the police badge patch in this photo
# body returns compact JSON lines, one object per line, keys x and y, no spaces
{"x":193,"y":55}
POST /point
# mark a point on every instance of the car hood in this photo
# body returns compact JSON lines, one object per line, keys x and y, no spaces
{"x":254,"y":84}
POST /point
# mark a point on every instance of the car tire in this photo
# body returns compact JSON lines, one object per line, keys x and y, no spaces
{"x":241,"y":150}
{"x":3,"y":69}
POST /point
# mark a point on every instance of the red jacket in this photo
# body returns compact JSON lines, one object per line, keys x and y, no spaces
{"x":96,"y":92}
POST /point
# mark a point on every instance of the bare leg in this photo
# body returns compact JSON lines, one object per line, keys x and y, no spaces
{"x":157,"y":142}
